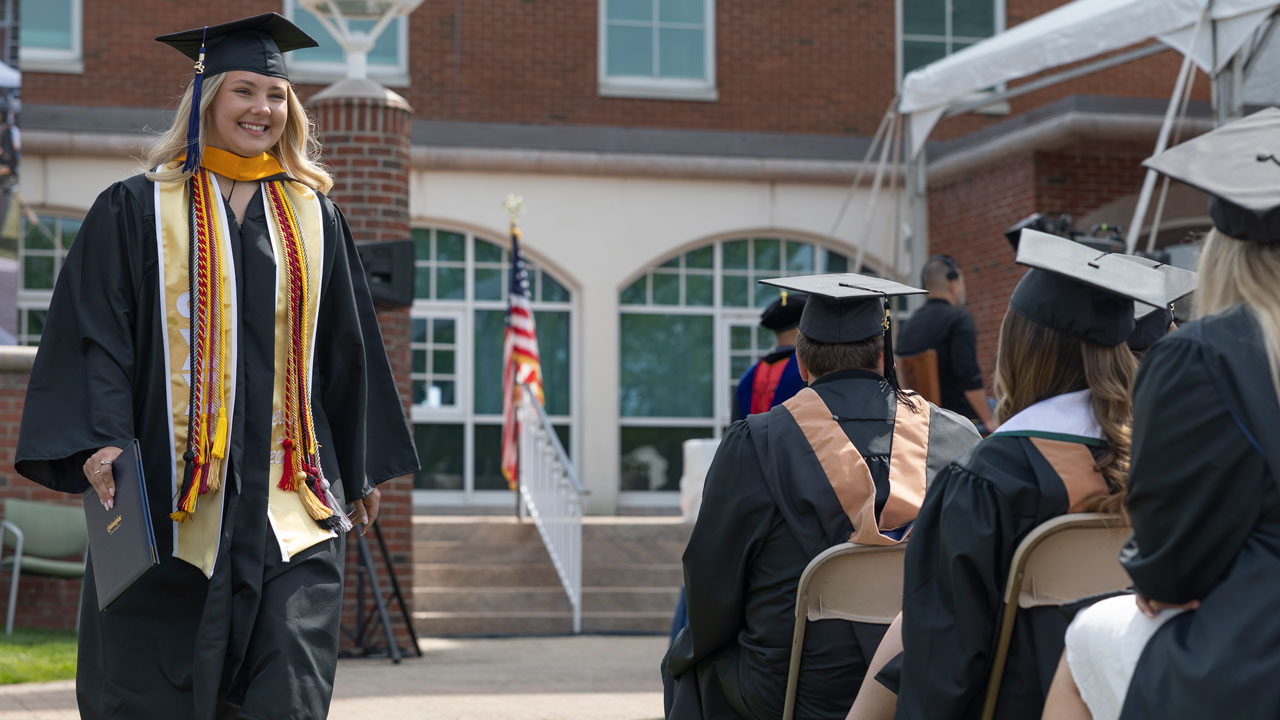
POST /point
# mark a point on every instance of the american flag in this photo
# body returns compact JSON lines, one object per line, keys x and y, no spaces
{"x":519,"y":359}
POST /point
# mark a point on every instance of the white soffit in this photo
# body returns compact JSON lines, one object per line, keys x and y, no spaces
{"x":1071,"y":33}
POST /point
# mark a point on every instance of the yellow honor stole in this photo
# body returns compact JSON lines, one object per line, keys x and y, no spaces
{"x":198,"y":284}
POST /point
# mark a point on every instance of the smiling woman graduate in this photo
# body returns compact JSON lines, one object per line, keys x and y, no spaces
{"x":215,"y":309}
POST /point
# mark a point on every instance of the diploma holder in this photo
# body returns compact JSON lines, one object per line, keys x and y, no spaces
{"x":122,"y":541}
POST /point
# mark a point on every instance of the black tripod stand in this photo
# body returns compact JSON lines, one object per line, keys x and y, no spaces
{"x":364,"y":618}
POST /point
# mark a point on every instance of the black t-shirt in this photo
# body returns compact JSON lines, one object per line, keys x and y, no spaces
{"x":949,"y":331}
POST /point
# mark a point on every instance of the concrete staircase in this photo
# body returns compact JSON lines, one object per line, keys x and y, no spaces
{"x":477,"y":575}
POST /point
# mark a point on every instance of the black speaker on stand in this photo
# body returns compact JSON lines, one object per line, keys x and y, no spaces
{"x":365,"y":616}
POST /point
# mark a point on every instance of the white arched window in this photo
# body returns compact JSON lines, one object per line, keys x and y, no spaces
{"x":458,"y":318}
{"x":688,"y":330}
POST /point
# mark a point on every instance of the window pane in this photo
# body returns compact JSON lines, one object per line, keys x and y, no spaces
{"x":734,"y":254}
{"x":39,"y":236}
{"x":443,"y":331}
{"x":635,"y":292}
{"x":924,"y":17}
{"x":739,"y":365}
{"x":418,"y":330}
{"x":553,"y":291}
{"x":440,"y":455}
{"x":764,"y":294}
{"x":681,"y":11}
{"x":836,"y":262}
{"x":673,"y":263}
{"x":630,"y":51}
{"x":488,"y":458}
{"x":918,"y":53}
{"x":631,"y":10}
{"x":383,"y":52}
{"x":450,"y":283}
{"x":653,"y":458}
{"x":450,"y":246}
{"x":46,"y":24}
{"x":442,"y":362}
{"x":70,"y":227}
{"x":666,"y":365}
{"x":488,"y":251}
{"x":489,"y":330}
{"x":419,"y":392}
{"x":739,"y":337}
{"x":768,"y":255}
{"x":666,"y":288}
{"x":736,"y":290}
{"x":442,"y":393}
{"x":562,"y":432}
{"x":421,"y":244}
{"x":699,"y":290}
{"x":700,"y":258}
{"x":37,"y":273}
{"x":422,"y":282}
{"x":489,"y":283}
{"x":800,"y":258}
{"x":420,"y":361}
{"x":973,"y":18}
{"x":35,"y":321}
{"x":680,"y":53}
{"x":553,"y":350}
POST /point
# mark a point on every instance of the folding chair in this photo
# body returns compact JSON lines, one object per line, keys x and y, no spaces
{"x":1065,"y":560}
{"x":40,"y":534}
{"x":920,"y":373}
{"x":862,"y":583}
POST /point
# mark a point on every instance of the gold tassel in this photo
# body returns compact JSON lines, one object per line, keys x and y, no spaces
{"x":220,"y":436}
{"x":315,"y":508}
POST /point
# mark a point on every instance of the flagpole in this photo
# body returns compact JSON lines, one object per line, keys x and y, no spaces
{"x":514,"y":205}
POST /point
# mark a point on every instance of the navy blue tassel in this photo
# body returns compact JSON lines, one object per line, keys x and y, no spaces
{"x":193,"y":121}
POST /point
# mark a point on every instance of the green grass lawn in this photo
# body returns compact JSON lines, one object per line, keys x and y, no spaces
{"x":37,"y":656}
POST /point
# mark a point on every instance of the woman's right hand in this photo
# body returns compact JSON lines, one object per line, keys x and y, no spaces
{"x":97,"y":469}
{"x":1152,"y":608}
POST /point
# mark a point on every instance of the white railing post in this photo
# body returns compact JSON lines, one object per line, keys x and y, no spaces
{"x":552,"y":496}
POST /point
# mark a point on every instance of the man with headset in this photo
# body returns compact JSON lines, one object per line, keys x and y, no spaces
{"x":945,"y":326}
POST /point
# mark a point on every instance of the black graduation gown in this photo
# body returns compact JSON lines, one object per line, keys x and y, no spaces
{"x":755,"y":535}
{"x":957,"y":566}
{"x":259,"y":638}
{"x":1206,"y":519}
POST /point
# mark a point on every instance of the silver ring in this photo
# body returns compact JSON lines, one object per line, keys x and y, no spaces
{"x":104,"y":462}
{"x":97,"y":472}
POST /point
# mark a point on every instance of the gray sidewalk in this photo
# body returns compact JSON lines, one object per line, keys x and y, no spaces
{"x":555,"y":678}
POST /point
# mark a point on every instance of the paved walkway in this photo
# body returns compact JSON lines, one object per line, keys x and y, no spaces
{"x":560,"y":678}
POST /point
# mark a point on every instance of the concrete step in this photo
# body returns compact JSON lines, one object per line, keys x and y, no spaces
{"x":541,"y":574}
{"x":596,"y":552}
{"x":445,"y":624}
{"x":664,"y":574}
{"x":543,"y":599}
{"x":504,"y":530}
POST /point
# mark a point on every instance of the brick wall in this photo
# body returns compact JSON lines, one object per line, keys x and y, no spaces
{"x":967,"y":218}
{"x":42,"y":602}
{"x":366,"y":146}
{"x":803,"y":66}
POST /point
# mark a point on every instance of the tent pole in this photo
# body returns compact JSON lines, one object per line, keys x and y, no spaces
{"x":917,"y":189}
{"x":1149,"y":183}
{"x":875,"y":192}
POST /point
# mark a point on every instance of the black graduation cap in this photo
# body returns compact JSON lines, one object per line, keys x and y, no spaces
{"x":254,"y":43}
{"x":783,"y":313}
{"x":1239,"y":165}
{"x":1081,"y":291}
{"x":1151,"y":324}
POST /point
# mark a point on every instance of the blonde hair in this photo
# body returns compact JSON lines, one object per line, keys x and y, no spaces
{"x":297,"y":151}
{"x":1035,"y":363}
{"x":1236,"y":272}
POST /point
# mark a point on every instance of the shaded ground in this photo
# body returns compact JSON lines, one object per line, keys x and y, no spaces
{"x":560,"y":678}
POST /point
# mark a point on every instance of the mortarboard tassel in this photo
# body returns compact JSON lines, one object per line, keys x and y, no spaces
{"x":193,"y":120}
{"x":890,"y":373}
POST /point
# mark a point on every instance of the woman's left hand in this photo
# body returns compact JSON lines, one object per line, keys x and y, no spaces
{"x":366,"y":510}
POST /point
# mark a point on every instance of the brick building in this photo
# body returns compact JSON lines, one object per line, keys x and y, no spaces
{"x":670,"y":153}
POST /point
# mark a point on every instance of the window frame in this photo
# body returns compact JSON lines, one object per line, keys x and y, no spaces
{"x":38,"y":299}
{"x":465,"y":412}
{"x":321,"y":72}
{"x":657,"y":88}
{"x":56,"y":60}
{"x":1000,"y":9}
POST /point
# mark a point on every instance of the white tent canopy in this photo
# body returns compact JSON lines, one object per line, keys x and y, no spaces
{"x":1074,"y":32}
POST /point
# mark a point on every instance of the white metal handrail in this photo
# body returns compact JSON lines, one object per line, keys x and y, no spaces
{"x":553,"y":496}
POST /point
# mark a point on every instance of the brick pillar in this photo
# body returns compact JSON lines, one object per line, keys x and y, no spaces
{"x":364,"y":131}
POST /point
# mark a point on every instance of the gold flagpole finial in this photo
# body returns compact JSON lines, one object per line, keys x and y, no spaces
{"x":514,"y":205}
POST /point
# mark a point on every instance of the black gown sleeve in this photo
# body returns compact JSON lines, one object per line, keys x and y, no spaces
{"x":957,"y":556}
{"x":1195,"y":484}
{"x":80,"y":394}
{"x":371,"y":436}
{"x":733,"y":520}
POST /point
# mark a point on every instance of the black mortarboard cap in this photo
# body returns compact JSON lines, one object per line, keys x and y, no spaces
{"x":1239,"y":165}
{"x":254,"y":43}
{"x":783,"y":313}
{"x":1151,"y":324}
{"x":1080,"y":291}
{"x":843,"y":307}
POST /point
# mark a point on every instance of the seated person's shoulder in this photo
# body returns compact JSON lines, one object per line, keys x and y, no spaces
{"x":951,"y":421}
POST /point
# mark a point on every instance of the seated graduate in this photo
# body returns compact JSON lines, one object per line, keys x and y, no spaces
{"x":1203,"y":499}
{"x":846,"y":459}
{"x":1064,"y":375}
{"x":776,"y":377}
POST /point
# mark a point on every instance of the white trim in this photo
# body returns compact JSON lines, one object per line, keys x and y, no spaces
{"x":657,"y":87}
{"x":1069,"y":414}
{"x":649,"y":498}
{"x":57,"y":60}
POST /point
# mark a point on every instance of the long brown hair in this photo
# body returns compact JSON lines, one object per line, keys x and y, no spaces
{"x":1035,"y":363}
{"x":297,"y":151}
